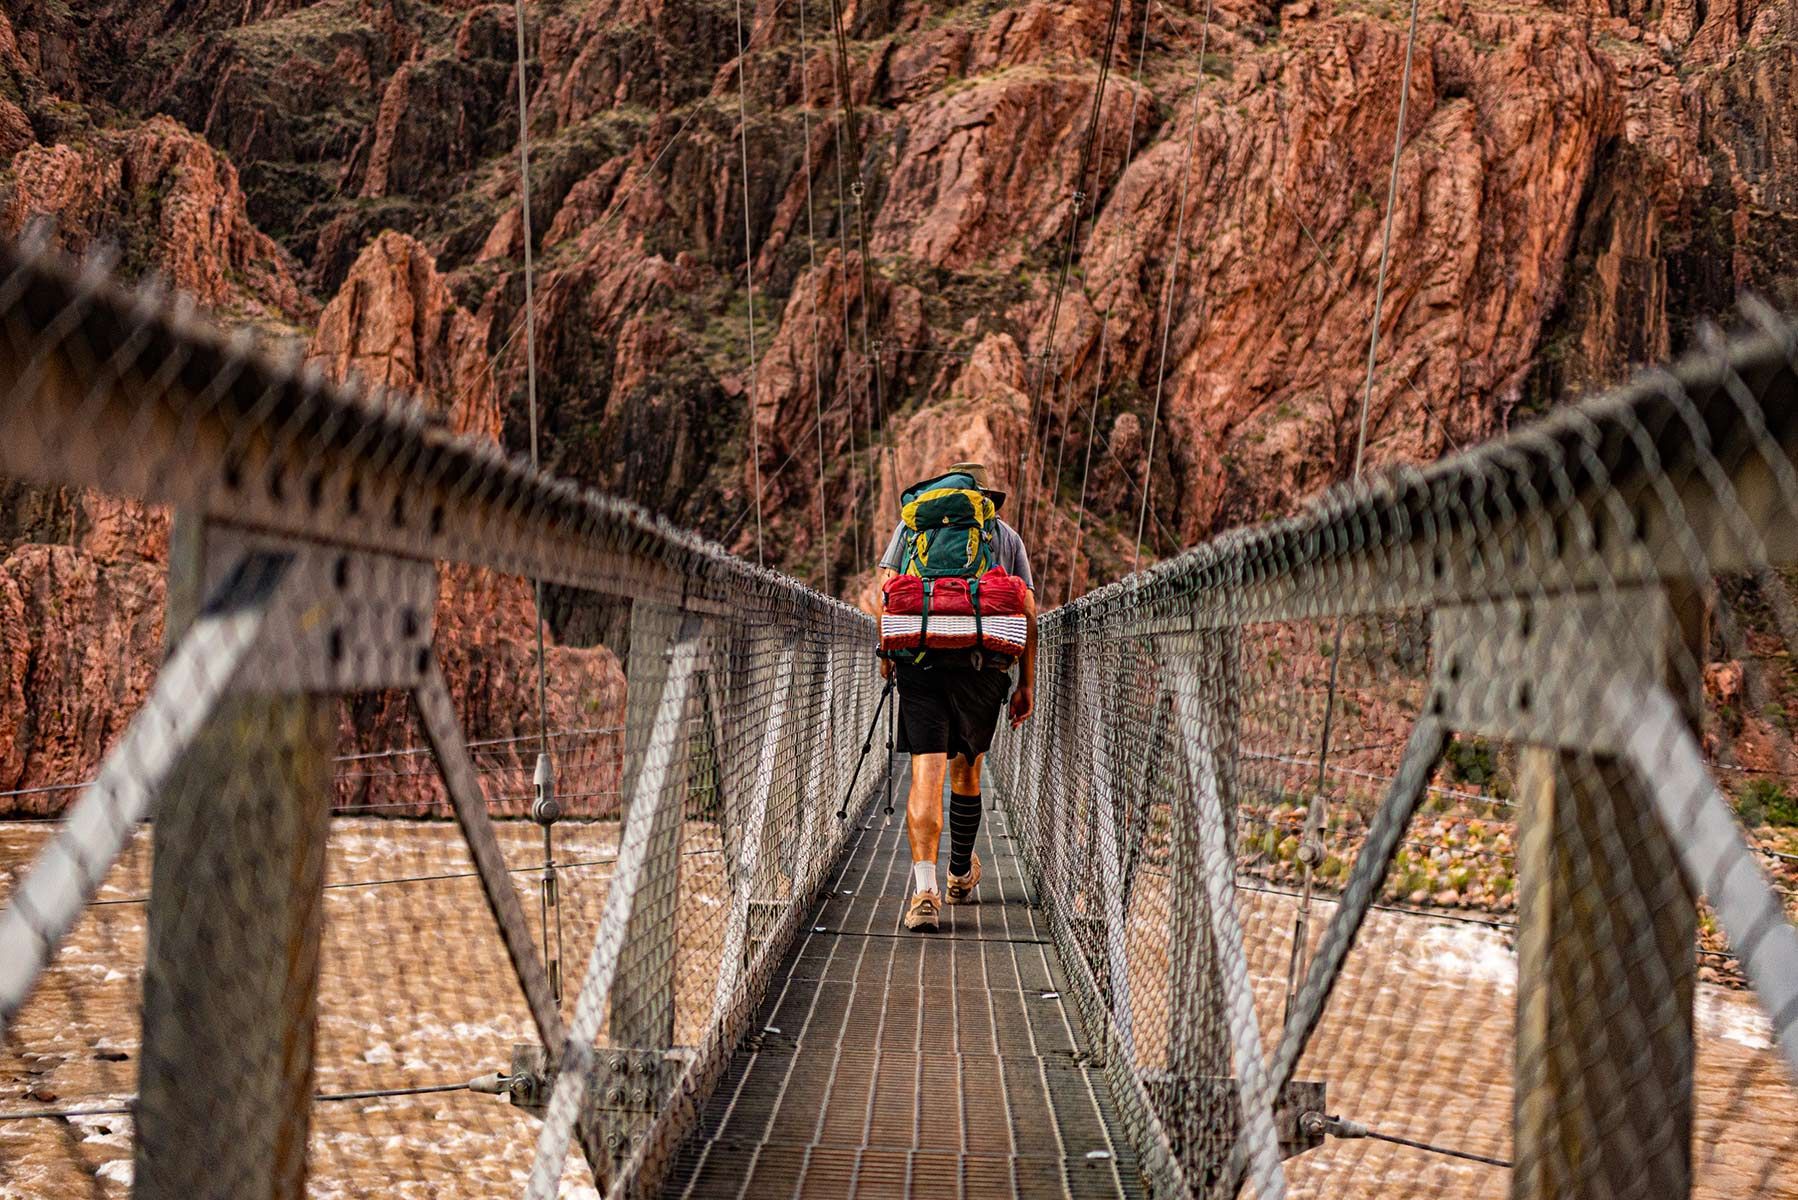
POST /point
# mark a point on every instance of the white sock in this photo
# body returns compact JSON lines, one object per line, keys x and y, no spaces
{"x":923,"y":877}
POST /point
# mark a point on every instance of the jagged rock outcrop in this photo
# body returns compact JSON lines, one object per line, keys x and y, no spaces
{"x":82,"y":623}
{"x":78,"y":640}
{"x":395,"y":323}
{"x":441,"y":115}
{"x":1579,"y":184}
{"x":82,"y":617}
{"x":814,"y":377}
{"x":170,"y":202}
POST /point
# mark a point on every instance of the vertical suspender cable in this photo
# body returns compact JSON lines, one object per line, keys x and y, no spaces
{"x":755,"y":440}
{"x":1373,"y":346}
{"x":543,"y":777}
{"x":1296,"y":963}
{"x":1029,"y":501}
{"x":1379,"y":291}
{"x":839,"y":81}
{"x":1173,"y":277}
{"x":530,"y":322}
{"x":858,"y":190}
{"x":1092,"y":415}
{"x":811,"y":250}
{"x":1092,"y":422}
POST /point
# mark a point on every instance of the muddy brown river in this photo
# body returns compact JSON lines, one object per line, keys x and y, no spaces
{"x":417,"y":992}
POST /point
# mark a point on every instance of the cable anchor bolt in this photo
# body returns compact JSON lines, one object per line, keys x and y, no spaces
{"x":1316,"y":1124}
{"x":856,"y":188}
{"x":1311,"y":844}
{"x":545,"y":809}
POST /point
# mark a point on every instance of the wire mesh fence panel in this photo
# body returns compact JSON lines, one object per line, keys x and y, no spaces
{"x":442,"y":783}
{"x":397,"y":820}
{"x":1394,"y":847}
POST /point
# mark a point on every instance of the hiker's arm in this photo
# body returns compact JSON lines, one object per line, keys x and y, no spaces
{"x":1023,"y":697}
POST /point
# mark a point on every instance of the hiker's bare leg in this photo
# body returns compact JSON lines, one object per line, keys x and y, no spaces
{"x":924,"y":806}
{"x":964,"y":775}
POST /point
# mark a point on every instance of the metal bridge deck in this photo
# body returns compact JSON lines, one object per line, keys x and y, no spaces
{"x":888,"y":1063}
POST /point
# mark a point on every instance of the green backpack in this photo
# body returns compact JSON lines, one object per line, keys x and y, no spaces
{"x":950,"y":525}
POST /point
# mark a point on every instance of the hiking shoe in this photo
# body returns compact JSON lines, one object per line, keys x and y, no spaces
{"x":921,"y":914}
{"x":961,"y":887}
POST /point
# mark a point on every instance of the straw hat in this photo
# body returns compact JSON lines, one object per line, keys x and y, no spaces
{"x":978,"y":471}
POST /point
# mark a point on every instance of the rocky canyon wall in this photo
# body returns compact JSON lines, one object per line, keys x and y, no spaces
{"x":1579,"y":183}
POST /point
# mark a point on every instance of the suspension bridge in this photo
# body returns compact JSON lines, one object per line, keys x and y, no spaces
{"x":279,"y":964}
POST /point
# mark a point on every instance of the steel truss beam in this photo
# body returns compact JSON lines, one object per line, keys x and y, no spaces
{"x":279,"y":618}
{"x":1717,"y":862}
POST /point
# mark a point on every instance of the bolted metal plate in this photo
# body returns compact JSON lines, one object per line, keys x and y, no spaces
{"x":1536,"y":670}
{"x":349,"y":621}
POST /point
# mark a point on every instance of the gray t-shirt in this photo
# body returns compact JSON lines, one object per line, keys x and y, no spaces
{"x":1008,"y":552}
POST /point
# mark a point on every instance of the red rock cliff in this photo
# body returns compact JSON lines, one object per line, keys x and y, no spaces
{"x":1578,"y":185}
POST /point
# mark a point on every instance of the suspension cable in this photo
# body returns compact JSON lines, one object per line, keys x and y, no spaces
{"x":755,"y":441}
{"x":1341,"y":1127}
{"x":1173,"y":276}
{"x":811,"y":251}
{"x":855,"y":525}
{"x":130,"y":1107}
{"x":1086,"y":471}
{"x":1373,"y":346}
{"x":873,"y":391}
{"x":842,"y":268}
{"x":544,"y":806}
{"x":1379,"y":292}
{"x":530,"y":338}
{"x":1029,"y":499}
{"x":1092,"y":415}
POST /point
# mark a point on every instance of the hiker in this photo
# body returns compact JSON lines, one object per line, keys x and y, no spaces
{"x":969,"y":570}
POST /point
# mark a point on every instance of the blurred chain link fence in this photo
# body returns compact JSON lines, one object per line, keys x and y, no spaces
{"x":350,"y":906}
{"x":1403,"y":814}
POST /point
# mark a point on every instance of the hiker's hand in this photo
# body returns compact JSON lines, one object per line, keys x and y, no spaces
{"x":886,"y":668}
{"x":1023,"y":703}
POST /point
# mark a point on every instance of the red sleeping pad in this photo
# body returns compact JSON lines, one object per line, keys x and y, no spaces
{"x":951,"y":623}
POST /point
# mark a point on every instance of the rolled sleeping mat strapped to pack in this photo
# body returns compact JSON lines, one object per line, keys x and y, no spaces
{"x":955,"y":614}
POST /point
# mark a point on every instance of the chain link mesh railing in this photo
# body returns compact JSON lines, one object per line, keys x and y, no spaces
{"x":1413,"y":815}
{"x":296,"y":876}
{"x":1390,"y":849}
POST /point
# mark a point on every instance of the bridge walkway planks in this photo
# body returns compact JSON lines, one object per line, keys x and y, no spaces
{"x":887,"y":1063}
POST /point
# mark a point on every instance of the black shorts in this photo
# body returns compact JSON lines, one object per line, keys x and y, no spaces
{"x":950,"y":710}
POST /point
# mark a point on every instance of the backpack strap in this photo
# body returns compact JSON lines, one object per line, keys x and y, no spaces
{"x":924,"y":621}
{"x":974,"y":603}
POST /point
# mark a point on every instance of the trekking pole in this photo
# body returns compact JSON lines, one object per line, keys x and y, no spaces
{"x":892,"y":719}
{"x":868,"y":748}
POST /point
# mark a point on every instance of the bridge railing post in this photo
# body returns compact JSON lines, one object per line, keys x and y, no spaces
{"x":1208,"y":666}
{"x":773,"y":792}
{"x":635,"y":1070}
{"x":234,"y":927}
{"x":1607,"y":969}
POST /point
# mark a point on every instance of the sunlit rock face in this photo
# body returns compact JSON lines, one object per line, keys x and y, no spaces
{"x":1577,"y":186}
